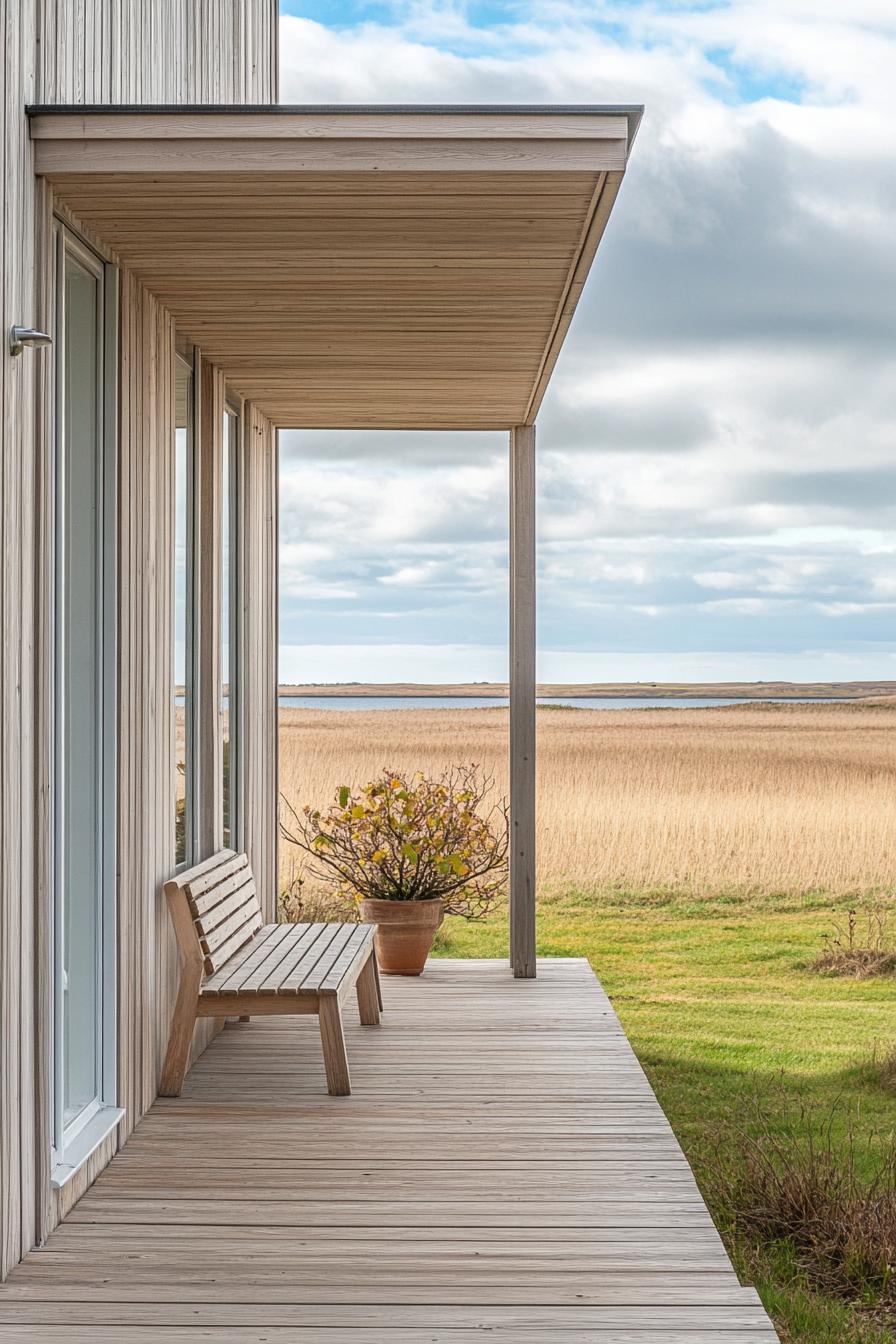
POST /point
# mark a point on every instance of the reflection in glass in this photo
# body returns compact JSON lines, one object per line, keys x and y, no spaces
{"x":183,"y":688}
{"x":81,"y":701}
{"x":228,"y":610}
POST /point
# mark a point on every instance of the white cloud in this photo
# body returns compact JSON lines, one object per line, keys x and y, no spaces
{"x":721,"y":419}
{"x":723,"y":579}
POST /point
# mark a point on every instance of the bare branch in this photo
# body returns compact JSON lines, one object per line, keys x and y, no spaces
{"x":403,"y":838}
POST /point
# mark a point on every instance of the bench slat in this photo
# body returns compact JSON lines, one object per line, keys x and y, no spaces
{"x":269,"y":972}
{"x":302,"y":978}
{"x":239,"y":963}
{"x":355,"y":948}
{"x":342,"y":959}
{"x":213,"y":918}
{"x":190,"y":875}
{"x":244,"y":961}
{"x":245,"y":914}
{"x":211,"y":876}
{"x":270,"y":948}
{"x":216,"y":959}
{"x":225,"y":909}
{"x":204,"y":905}
{"x":234,"y":964}
{"x":306,"y":955}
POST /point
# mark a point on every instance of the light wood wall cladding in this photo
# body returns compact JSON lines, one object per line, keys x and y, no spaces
{"x":363,"y":299}
{"x":148,"y":961}
{"x":258,"y":653}
{"x":19,"y":670}
{"x":80,"y":51}
{"x":157,"y":51}
{"x":145,"y":729}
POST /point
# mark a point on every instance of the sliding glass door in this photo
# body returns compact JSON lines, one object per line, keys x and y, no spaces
{"x":84,"y":773}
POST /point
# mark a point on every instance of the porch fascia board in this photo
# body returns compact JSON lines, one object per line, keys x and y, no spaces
{"x":98,"y":142}
{"x":409,"y":268}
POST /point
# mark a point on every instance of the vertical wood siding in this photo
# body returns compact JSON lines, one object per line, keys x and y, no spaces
{"x":18,"y":799}
{"x":145,"y":728}
{"x":157,"y":51}
{"x":117,"y":51}
{"x":45,"y":378}
{"x":258,"y":640}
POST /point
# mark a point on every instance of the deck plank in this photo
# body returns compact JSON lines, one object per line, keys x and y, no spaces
{"x":502,"y":1166}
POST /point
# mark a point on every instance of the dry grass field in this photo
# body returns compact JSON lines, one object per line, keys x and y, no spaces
{"x":758,"y":799}
{"x":693,"y":856}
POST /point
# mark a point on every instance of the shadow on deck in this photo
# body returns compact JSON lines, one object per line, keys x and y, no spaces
{"x":502,"y":1170}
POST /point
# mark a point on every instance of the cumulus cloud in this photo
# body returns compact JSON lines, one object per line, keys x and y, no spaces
{"x":717,"y":445}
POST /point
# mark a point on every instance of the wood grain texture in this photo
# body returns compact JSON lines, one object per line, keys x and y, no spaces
{"x":605,"y":193}
{"x":297,"y":968}
{"x":257,"y":635}
{"x":76,"y":51}
{"x":157,"y":51}
{"x":300,"y":126}
{"x":522,"y":701}
{"x":163,"y":154}
{"x":19,"y":671}
{"x":577,"y":1218}
{"x":418,"y":298}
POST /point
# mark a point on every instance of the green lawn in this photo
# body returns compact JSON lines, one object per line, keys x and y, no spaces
{"x":718,"y":1001}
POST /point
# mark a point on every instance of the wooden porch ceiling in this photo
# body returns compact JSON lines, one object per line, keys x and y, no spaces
{"x":352,"y":267}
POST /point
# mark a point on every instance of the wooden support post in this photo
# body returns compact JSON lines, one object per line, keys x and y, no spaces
{"x":522,"y":701}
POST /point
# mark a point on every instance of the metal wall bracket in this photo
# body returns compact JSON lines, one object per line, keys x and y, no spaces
{"x":19,"y":337}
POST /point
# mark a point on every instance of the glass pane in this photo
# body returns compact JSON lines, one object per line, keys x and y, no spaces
{"x":227,"y":605}
{"x":80,"y":710}
{"x":182,"y":592}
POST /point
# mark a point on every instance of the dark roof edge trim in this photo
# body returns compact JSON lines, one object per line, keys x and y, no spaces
{"x":631,"y":111}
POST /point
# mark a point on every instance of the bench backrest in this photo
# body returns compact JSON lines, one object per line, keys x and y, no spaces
{"x":223,"y":905}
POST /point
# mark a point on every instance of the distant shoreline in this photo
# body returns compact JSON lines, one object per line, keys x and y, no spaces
{"x":735,"y":690}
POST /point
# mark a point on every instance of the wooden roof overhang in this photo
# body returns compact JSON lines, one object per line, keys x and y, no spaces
{"x":354,"y":267}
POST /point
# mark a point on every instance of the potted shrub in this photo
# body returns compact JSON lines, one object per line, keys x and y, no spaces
{"x":409,"y":850}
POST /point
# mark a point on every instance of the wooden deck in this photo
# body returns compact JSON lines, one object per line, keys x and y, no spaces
{"x":502,"y":1171}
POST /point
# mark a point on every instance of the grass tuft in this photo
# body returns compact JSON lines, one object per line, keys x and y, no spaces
{"x":797,"y":1181}
{"x":859,"y":947}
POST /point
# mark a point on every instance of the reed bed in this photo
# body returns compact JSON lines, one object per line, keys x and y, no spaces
{"x":761,"y":799}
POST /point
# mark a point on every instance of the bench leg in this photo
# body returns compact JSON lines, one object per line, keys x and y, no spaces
{"x":368,"y":996}
{"x":376,"y":976}
{"x":332,"y":1039}
{"x":178,"y":1053}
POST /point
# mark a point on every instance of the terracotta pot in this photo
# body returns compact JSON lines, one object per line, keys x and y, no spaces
{"x":404,"y":933}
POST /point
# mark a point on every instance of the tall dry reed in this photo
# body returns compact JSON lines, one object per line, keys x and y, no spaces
{"x":762,"y":799}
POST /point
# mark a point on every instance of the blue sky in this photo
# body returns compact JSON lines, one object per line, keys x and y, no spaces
{"x":717,"y":493}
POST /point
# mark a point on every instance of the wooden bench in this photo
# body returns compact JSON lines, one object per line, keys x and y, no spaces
{"x":234,"y":965}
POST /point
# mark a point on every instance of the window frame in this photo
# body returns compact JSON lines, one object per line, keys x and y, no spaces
{"x":188,"y":360}
{"x":72,"y":1144}
{"x":233,"y":522}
